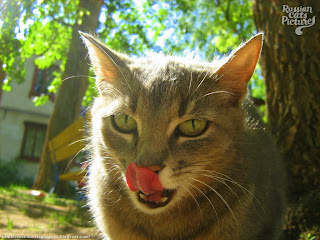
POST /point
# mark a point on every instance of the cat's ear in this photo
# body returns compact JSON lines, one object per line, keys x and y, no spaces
{"x":239,"y":66}
{"x":107,"y":64}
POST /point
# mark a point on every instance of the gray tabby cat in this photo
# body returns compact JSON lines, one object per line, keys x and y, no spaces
{"x":176,"y":153}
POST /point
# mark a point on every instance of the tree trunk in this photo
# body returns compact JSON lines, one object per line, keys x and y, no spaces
{"x":290,"y":66}
{"x":67,"y":107}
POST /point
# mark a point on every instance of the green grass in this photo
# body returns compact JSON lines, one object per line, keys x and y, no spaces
{"x":48,"y":214}
{"x":10,"y":223}
{"x":16,"y":191}
{"x":53,"y":199}
{"x":307,"y":236}
{"x":34,"y":228}
{"x":19,"y":197}
{"x":12,"y":194}
{"x":12,"y":189}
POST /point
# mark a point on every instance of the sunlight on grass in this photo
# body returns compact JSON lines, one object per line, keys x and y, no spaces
{"x":12,"y":188}
{"x":53,"y":199}
{"x":21,"y":209}
{"x":23,"y":193}
{"x":10,"y":223}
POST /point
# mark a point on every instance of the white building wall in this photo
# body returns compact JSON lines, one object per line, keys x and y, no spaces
{"x":16,"y":108}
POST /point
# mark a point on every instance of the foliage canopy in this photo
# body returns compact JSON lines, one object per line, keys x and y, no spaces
{"x":44,"y":28}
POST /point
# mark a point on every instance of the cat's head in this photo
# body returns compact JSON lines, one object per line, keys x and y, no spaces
{"x":172,"y":119}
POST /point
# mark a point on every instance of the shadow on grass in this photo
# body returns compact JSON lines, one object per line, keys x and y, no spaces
{"x":23,"y":213}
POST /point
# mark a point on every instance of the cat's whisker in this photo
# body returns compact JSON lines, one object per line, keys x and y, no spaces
{"x":204,"y":78}
{"x":109,"y":164}
{"x":120,"y":187}
{"x":80,"y":140}
{"x":83,"y":113}
{"x":74,"y":157}
{"x":119,"y":198}
{"x":221,"y":180}
{"x":214,"y":209}
{"x":198,"y":165}
{"x":78,"y":76}
{"x":221,"y":197}
{"x":229,"y":179}
{"x":112,"y":169}
{"x":216,"y":77}
{"x":109,"y":192}
{"x":190,"y":84}
{"x":107,"y":161}
{"x":111,"y":86}
{"x":215,"y":92}
{"x":121,"y":183}
{"x":194,"y":199}
{"x":119,"y":178}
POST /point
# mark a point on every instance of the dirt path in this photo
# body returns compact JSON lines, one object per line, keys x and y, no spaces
{"x":25,"y":217}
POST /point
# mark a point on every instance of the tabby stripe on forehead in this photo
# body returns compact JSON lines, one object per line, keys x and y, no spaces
{"x":182,"y":108}
{"x":133,"y":104}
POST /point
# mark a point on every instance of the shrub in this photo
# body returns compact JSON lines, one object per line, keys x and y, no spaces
{"x":9,"y":174}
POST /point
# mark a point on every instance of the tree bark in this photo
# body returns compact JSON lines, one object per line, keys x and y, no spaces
{"x":290,"y":66}
{"x":67,"y":107}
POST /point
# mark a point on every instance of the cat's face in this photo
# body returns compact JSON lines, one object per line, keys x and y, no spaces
{"x":174,"y":116}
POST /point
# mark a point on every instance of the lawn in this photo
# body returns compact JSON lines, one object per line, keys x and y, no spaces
{"x":23,"y":215}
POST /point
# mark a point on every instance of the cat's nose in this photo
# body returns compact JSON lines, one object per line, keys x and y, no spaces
{"x":155,"y":169}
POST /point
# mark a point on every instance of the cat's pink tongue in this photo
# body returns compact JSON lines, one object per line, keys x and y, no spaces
{"x":144,"y":180}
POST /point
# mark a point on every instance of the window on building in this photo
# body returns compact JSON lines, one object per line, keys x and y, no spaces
{"x":33,"y":140}
{"x":42,"y":78}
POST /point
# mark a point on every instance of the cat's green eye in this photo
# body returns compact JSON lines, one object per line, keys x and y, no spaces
{"x":193,"y":127}
{"x":124,"y":123}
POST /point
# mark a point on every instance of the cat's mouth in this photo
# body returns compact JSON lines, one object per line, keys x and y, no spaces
{"x":157,"y":199}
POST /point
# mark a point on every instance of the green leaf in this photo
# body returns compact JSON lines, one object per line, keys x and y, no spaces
{"x":6,"y":86}
{"x":79,"y":21}
{"x":41,"y":100}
